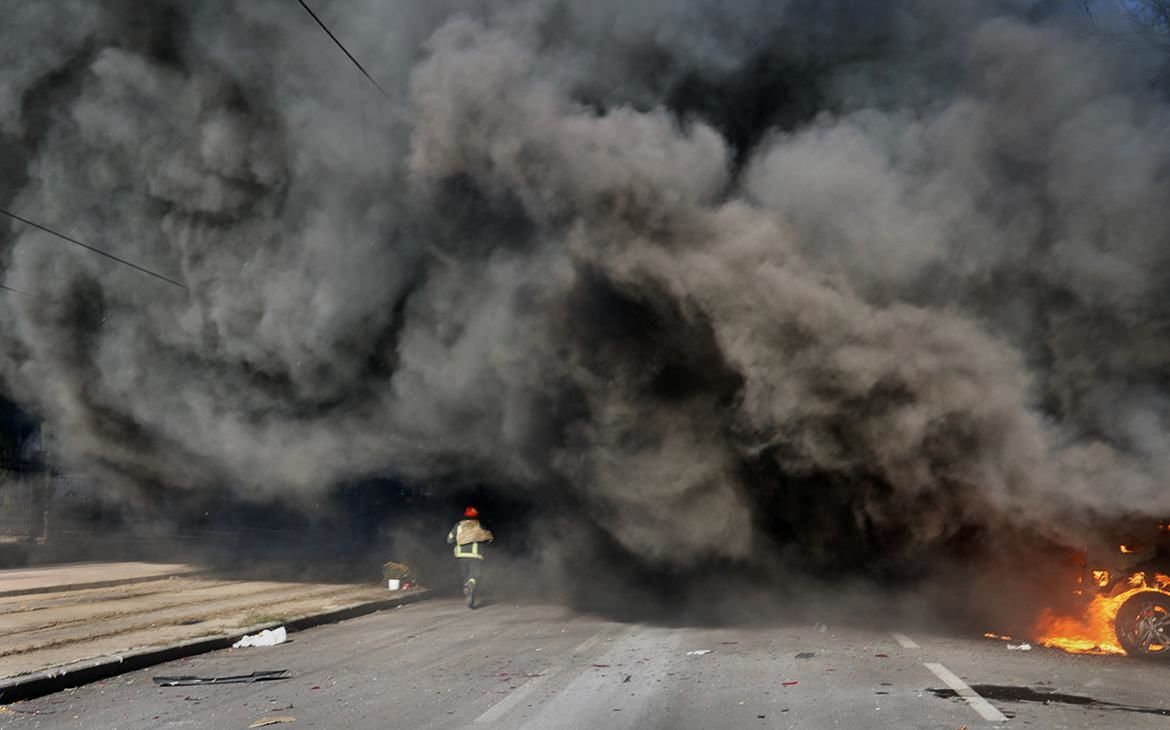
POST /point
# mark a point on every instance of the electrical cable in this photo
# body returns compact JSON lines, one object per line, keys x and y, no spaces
{"x":88,"y":247}
{"x":18,"y":291}
{"x":343,"y":48}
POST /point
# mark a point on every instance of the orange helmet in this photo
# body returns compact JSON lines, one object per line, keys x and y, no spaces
{"x":471,"y":513}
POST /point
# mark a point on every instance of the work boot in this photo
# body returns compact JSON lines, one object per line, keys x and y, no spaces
{"x":469,"y":592}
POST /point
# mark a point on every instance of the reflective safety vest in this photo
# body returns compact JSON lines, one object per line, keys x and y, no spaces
{"x":470,"y":550}
{"x":472,"y":535}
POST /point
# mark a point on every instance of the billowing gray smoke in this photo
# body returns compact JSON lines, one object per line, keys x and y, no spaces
{"x":730,"y":276}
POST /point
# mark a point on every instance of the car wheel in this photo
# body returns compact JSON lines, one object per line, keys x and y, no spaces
{"x":1143,"y":625}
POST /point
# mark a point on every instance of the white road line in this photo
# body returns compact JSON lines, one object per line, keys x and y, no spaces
{"x":498,"y":710}
{"x":904,"y":640}
{"x":977,"y":703}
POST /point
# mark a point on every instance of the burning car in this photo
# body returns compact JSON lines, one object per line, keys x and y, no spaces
{"x":1126,"y":601}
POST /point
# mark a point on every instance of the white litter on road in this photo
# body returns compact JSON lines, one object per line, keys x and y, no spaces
{"x":267,"y":637}
{"x":1019,"y":647}
{"x":699,"y":652}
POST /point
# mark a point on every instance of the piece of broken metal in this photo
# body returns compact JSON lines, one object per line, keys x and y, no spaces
{"x":266,"y":721}
{"x":263,"y":676}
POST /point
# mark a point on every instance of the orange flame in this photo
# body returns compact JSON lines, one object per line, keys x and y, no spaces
{"x":1093,"y":632}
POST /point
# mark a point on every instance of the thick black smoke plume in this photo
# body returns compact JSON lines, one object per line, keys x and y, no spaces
{"x":811,"y":278}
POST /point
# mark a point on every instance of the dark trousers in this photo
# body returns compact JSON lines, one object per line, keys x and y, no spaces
{"x":469,"y":568}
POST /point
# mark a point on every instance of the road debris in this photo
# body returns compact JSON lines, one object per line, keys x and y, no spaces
{"x":790,"y":683}
{"x":267,"y":637}
{"x":182,"y":681}
{"x":806,"y":655}
{"x":1019,"y":647}
{"x":397,"y":572}
{"x":821,"y":628}
{"x":699,"y":652}
{"x":266,"y":721}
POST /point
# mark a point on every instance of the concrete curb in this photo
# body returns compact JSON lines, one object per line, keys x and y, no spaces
{"x":45,"y":682}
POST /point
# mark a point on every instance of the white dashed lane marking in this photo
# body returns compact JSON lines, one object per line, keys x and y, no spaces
{"x":498,"y":710}
{"x":905,"y":641}
{"x":977,"y":703}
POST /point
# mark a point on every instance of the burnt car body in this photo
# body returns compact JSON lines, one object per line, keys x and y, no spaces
{"x":1138,"y":570}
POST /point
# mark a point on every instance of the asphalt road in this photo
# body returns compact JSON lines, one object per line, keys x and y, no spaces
{"x":438,"y":665}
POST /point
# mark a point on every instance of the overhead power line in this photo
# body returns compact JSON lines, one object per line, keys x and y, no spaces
{"x":343,"y":48}
{"x":88,"y":247}
{"x":34,"y":297}
{"x":18,"y":291}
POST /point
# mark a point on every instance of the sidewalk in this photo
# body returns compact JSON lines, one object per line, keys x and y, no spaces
{"x":67,"y":625}
{"x":43,"y":579}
